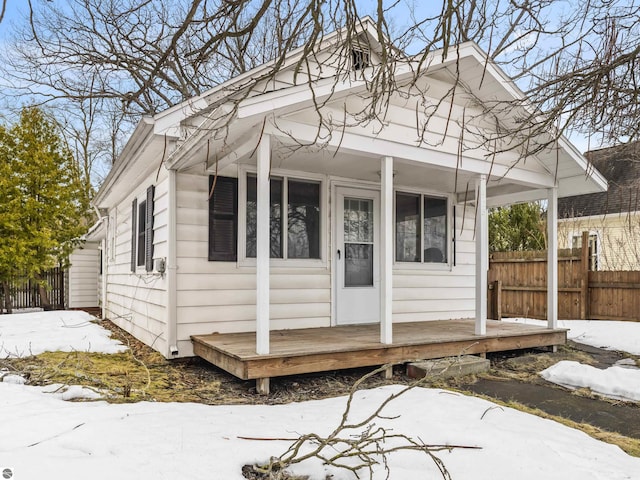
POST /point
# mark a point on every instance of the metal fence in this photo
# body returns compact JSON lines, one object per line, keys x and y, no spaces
{"x":25,"y":294}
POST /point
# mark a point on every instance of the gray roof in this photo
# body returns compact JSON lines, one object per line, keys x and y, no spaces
{"x":620,"y":165}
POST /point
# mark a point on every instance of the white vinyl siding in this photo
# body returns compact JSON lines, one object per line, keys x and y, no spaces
{"x":137,"y":301}
{"x":439,"y":294}
{"x":83,"y":285}
{"x":618,"y":238}
{"x":221,"y":296}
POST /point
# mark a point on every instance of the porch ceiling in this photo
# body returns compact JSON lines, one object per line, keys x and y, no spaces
{"x":328,"y":161}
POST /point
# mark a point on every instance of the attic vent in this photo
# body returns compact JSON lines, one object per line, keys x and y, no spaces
{"x":359,"y":58}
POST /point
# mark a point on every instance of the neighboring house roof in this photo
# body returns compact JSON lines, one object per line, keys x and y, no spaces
{"x":620,"y":165}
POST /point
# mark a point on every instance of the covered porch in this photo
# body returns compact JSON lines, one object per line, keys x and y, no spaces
{"x":322,"y":349}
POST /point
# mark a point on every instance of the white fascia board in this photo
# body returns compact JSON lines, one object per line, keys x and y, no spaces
{"x":472,"y":49}
{"x":584,"y":164}
{"x":579,"y":185}
{"x":377,"y":147}
{"x":168,"y":122}
{"x":180,"y":155}
{"x":97,"y":231}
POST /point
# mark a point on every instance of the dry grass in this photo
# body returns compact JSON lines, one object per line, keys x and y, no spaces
{"x":140,"y":373}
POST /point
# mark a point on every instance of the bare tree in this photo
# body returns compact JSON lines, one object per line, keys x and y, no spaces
{"x":576,"y":64}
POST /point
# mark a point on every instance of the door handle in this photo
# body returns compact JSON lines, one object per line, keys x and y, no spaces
{"x":338,"y":254}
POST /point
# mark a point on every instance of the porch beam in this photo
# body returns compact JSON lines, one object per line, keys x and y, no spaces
{"x":552,"y":257}
{"x":497,"y":197}
{"x":376,"y":146}
{"x":243,"y":146}
{"x":482,"y":255}
{"x":386,"y":250}
{"x":262,"y":246}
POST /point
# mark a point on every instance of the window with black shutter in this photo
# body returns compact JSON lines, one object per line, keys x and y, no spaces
{"x":142,"y":232}
{"x":223,"y":220}
{"x":148,"y":234}
{"x":142,"y":229}
{"x":134,"y":233}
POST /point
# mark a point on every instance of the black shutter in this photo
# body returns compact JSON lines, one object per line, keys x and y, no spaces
{"x":223,"y":220}
{"x":148,"y":234}
{"x":134,"y":232}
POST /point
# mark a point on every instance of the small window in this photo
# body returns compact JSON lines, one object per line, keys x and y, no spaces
{"x":359,"y":59}
{"x":301,"y":217}
{"x":142,"y":232}
{"x":421,"y":228}
{"x":576,"y":242}
{"x":142,"y":229}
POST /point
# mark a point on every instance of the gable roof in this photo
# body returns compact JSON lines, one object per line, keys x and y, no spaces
{"x":620,"y":165}
{"x":242,"y":106}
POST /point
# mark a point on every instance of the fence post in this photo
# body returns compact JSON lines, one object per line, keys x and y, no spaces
{"x":584,"y":270}
{"x":497,"y":298}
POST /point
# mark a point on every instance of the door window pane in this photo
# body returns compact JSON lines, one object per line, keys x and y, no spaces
{"x":303,"y":239}
{"x":435,"y":230}
{"x":276,"y":216}
{"x":358,"y":220}
{"x":358,"y":242}
{"x":407,"y":227}
{"x":358,"y":265}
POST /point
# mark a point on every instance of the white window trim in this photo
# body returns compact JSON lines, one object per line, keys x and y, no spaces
{"x":595,"y":233}
{"x":243,"y":260}
{"x":422,"y":265}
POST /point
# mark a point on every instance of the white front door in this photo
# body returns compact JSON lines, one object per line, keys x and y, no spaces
{"x":357,"y":272}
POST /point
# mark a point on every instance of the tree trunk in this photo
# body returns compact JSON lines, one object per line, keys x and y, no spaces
{"x":7,"y":298}
{"x":45,"y":302}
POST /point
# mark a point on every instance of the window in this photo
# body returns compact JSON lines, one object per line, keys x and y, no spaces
{"x":142,"y":232}
{"x":294,"y":218}
{"x":142,"y":228}
{"x":359,"y":59}
{"x":421,"y":228}
{"x":576,"y":242}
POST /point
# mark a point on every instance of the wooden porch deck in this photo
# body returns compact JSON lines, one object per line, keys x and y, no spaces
{"x":323,"y":349}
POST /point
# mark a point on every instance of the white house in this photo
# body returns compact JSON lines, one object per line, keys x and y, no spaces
{"x":277,"y":204}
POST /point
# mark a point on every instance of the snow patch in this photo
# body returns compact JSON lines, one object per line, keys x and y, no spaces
{"x":621,"y":382}
{"x":26,"y":334}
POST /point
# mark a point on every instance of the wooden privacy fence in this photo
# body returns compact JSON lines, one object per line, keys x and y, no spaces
{"x":518,"y":287}
{"x":24,"y":293}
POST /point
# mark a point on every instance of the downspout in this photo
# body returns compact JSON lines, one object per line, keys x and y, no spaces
{"x":172,"y":269}
{"x":104,"y":261}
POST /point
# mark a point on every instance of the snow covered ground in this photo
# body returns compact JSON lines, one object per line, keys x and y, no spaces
{"x":619,"y":381}
{"x":24,"y":334}
{"x":46,"y":437}
{"x":609,"y":335}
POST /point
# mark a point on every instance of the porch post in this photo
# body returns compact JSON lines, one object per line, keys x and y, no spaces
{"x":482,"y":255}
{"x":552,"y":257}
{"x":262,"y":246}
{"x":386,"y":250}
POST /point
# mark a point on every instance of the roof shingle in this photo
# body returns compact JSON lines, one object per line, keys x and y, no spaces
{"x":620,"y":165}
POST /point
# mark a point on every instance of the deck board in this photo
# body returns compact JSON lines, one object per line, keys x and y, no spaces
{"x":323,"y":349}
